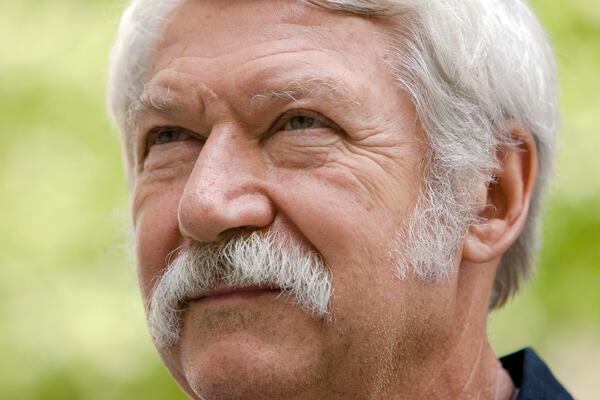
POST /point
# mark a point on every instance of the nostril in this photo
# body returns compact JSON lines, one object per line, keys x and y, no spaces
{"x":232,"y":232}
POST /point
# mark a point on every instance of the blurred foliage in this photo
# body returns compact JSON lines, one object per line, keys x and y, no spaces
{"x":71,"y":322}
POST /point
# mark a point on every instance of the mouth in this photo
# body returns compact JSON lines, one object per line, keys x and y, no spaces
{"x":233,"y":293}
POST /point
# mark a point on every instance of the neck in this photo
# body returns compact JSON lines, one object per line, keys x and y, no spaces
{"x":469,"y":374}
{"x":464,"y":366}
{"x":469,"y":368}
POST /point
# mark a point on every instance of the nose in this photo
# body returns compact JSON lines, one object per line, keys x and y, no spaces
{"x":224,"y":191}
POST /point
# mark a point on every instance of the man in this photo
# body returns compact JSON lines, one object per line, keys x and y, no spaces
{"x":329,"y":196}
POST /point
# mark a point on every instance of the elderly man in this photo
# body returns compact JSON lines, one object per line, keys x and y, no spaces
{"x":330,"y":195}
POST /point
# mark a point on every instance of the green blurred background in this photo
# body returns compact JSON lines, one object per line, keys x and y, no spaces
{"x":71,"y":322}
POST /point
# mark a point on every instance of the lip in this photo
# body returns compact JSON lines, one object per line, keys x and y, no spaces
{"x":231,"y":292}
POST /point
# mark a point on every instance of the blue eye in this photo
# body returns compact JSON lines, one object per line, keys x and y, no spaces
{"x":300,"y":122}
{"x":168,"y":135}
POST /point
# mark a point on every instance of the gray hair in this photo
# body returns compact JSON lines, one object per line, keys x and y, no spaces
{"x":470,"y":67}
{"x":258,"y":259}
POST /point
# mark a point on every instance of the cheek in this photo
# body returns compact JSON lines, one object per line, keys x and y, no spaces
{"x":157,"y":235}
{"x":171,"y":159}
{"x":342,"y":218}
{"x":351,"y":218}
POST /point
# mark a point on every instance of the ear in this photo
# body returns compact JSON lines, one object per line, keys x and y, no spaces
{"x":506,"y":201}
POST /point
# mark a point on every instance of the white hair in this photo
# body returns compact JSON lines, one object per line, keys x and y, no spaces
{"x":471,"y":68}
{"x":257,"y":259}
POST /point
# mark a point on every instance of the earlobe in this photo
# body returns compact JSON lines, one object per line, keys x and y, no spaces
{"x":501,"y":220}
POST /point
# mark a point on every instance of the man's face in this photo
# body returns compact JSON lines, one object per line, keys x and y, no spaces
{"x":284,"y":118}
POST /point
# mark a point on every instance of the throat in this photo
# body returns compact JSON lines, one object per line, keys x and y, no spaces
{"x":504,"y":386}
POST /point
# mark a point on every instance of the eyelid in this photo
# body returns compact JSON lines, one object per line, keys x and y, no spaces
{"x":152,"y":134}
{"x":284,"y":118}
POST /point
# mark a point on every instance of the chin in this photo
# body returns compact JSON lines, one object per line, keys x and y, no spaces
{"x":236,"y":353}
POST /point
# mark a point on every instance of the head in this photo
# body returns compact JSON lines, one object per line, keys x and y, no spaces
{"x":325,"y":190}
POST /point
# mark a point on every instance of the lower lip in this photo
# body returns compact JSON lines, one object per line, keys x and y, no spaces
{"x":233,"y":296}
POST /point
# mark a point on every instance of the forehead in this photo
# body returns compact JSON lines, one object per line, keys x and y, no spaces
{"x":225,"y":31}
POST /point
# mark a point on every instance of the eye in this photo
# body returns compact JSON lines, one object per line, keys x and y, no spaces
{"x":300,"y":122}
{"x":166,"y":135}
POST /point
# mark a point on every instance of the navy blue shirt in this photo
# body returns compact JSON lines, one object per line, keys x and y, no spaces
{"x":532,"y":377}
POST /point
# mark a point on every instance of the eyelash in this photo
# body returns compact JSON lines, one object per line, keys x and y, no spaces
{"x":286,"y":117}
{"x":154,"y":134}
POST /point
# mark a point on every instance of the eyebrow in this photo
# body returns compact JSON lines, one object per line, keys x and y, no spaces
{"x":294,"y":91}
{"x":150,"y":101}
{"x":333,"y":89}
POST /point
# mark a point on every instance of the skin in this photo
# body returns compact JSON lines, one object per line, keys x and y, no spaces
{"x":343,"y":187}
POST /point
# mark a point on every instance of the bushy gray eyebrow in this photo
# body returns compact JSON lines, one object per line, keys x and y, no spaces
{"x":150,"y":100}
{"x":332,"y":89}
{"x":294,"y":91}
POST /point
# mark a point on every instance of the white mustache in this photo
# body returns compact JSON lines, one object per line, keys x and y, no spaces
{"x":254,"y":260}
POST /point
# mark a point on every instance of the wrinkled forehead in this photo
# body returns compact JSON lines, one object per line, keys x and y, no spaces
{"x":232,"y":25}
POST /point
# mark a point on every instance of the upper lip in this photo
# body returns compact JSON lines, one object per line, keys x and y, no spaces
{"x":229,"y":290}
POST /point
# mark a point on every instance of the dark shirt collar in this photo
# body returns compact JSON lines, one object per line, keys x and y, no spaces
{"x":532,"y":377}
